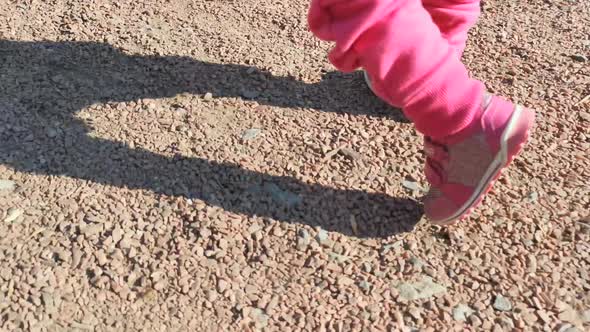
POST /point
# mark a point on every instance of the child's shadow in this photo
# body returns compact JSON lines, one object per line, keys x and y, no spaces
{"x":43,"y":84}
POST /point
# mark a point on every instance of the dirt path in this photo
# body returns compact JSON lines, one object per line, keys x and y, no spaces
{"x":199,"y":166}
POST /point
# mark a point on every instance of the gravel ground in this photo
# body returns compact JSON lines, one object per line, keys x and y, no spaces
{"x":200,"y":166}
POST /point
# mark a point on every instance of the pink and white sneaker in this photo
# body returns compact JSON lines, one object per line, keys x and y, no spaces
{"x":462,"y":168}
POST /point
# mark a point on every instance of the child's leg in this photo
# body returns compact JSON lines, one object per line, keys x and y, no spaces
{"x":454,"y":18}
{"x":404,"y":53}
{"x":470,"y":138}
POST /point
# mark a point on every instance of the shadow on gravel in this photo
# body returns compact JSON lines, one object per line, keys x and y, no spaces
{"x":43,"y":85}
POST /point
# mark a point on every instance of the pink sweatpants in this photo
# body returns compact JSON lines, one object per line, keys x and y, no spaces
{"x":411,"y":49}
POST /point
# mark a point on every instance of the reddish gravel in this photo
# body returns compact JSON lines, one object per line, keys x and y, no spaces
{"x":199,"y":166}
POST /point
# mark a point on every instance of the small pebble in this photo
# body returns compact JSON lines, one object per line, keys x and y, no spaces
{"x":91,"y":230}
{"x":365,"y":285}
{"x":7,"y":185}
{"x":345,"y":281}
{"x":567,"y":328}
{"x":414,"y":186}
{"x":260,"y":317}
{"x":13,"y":214}
{"x":533,"y":197}
{"x":322,"y":237}
{"x":101,"y":257}
{"x":502,"y":304}
{"x":222,"y":285}
{"x":475,"y":321}
{"x":160,"y":285}
{"x":272,"y":304}
{"x":416,"y":313}
{"x":51,"y":133}
{"x":461,"y":312}
{"x":303,"y":239}
{"x":251,"y":134}
{"x":338,"y":258}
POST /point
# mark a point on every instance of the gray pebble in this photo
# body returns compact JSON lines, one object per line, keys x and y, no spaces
{"x":303,"y":239}
{"x":533,"y":197}
{"x":461,"y":312}
{"x":322,"y":237}
{"x":251,"y":133}
{"x":365,"y":285}
{"x":411,"y":185}
{"x":420,"y":290}
{"x":51,"y":133}
{"x":502,"y":304}
{"x":7,"y":185}
{"x":260,"y":317}
{"x":13,"y":214}
{"x":303,"y":233}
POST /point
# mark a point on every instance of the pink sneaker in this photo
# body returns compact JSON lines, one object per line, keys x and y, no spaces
{"x":462,"y":168}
